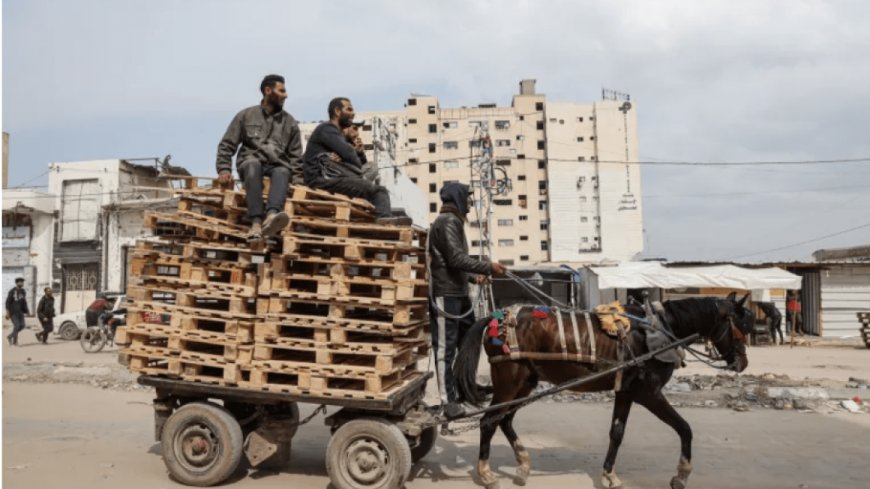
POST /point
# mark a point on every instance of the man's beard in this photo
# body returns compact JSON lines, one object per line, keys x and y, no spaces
{"x":276,"y":103}
{"x":345,"y":122}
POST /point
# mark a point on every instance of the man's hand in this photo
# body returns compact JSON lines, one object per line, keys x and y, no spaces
{"x":225,"y":178}
{"x":481,"y":279}
{"x":334,"y":157}
{"x":358,"y":145}
{"x":498,"y":269}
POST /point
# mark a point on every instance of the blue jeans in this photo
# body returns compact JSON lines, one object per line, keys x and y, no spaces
{"x":252,"y":173}
{"x":17,"y":326}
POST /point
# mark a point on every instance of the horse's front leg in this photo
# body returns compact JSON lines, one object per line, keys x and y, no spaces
{"x":621,"y":408}
{"x":658,"y":405}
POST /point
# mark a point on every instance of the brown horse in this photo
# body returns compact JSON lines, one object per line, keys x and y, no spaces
{"x":723,"y":321}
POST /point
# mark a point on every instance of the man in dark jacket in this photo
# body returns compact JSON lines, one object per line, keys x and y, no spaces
{"x":451,"y":313}
{"x":45,"y":313}
{"x":333,"y":164}
{"x":269,"y":145}
{"x":16,"y":308}
{"x":775,"y":318}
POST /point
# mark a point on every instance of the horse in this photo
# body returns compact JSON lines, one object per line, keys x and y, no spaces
{"x":723,"y":321}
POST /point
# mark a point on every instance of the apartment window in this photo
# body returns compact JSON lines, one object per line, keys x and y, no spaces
{"x":502,"y":125}
{"x":431,"y":109}
{"x":521,"y":177}
{"x":368,"y":147}
{"x":412,"y":101}
{"x":433,"y":128}
{"x":432,"y":168}
{"x":503,"y":162}
{"x":451,"y":164}
{"x":542,"y":187}
{"x":502,"y":142}
{"x":520,"y":137}
{"x":595,"y":238}
{"x":505,"y":222}
{"x":580,"y":139}
{"x":505,"y":242}
{"x":367,"y":127}
{"x":523,"y":201}
{"x":524,"y":257}
{"x":539,"y":125}
{"x":451,"y":145}
{"x":581,"y":158}
{"x":584,"y":239}
{"x":542,"y":145}
{"x":412,"y":140}
{"x":542,"y":164}
{"x":413,"y":161}
{"x":592,"y":138}
{"x":562,"y":121}
{"x":584,"y":219}
{"x":412,"y":121}
{"x":542,"y":205}
{"x":521,"y":157}
{"x":475,"y":243}
{"x":553,"y":120}
{"x":474,"y":124}
{"x":502,"y":201}
{"x":539,"y":106}
{"x":451,"y":125}
{"x":579,"y":119}
{"x":475,"y":143}
{"x":414,"y":179}
{"x":545,"y":246}
{"x":433,"y":207}
{"x":524,"y":238}
{"x":583,"y":199}
{"x":591,"y":119}
{"x":592,"y":158}
{"x":432,"y":147}
{"x":522,"y":117}
{"x":545,"y":225}
{"x":524,"y":218}
{"x":432,"y":188}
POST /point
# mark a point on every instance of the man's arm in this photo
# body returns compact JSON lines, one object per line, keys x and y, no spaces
{"x":334,"y":140}
{"x":9,"y":300}
{"x":40,"y":309}
{"x":294,"y":155}
{"x":458,"y":259}
{"x":229,"y":145}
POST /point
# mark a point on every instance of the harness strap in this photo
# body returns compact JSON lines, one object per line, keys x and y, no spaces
{"x":562,"y":334}
{"x":513,"y":344}
{"x":589,"y":328}
{"x":576,"y":333}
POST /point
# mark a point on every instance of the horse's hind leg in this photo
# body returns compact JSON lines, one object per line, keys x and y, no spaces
{"x":658,"y":405}
{"x":523,"y":460}
{"x":487,"y":430}
{"x":621,"y":408}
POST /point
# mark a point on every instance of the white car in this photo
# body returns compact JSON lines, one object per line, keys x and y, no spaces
{"x":70,"y":325}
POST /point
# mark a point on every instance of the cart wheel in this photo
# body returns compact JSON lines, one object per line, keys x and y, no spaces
{"x":202,"y":444}
{"x":368,"y":453}
{"x":427,"y":441}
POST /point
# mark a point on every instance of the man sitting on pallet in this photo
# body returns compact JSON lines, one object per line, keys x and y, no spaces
{"x":451,"y":313}
{"x":270,"y":147}
{"x":333,"y":164}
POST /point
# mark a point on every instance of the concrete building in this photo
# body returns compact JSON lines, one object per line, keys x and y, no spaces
{"x":100,"y":207}
{"x":28,"y":237}
{"x":573,"y":197}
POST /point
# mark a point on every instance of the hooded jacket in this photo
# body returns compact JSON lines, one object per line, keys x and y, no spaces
{"x":450,"y":263}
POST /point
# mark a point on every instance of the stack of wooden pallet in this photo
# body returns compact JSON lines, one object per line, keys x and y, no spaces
{"x":864,"y":319}
{"x":336,"y":306}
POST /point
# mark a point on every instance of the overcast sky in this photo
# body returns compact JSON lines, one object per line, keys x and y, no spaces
{"x":713,"y":81}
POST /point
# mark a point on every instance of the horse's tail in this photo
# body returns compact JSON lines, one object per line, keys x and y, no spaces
{"x":465,"y":365}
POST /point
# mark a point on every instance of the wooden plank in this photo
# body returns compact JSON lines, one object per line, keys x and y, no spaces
{"x":302,"y":193}
{"x":396,"y":315}
{"x":231,"y":329}
{"x":338,"y":211}
{"x":308,"y":245}
{"x":358,"y":364}
{"x":307,"y":383}
{"x":354,"y":230}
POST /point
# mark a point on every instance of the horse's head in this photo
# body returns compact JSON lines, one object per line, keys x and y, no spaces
{"x":729,"y":333}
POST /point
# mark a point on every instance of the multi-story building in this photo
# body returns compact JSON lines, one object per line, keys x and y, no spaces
{"x":574,"y":194}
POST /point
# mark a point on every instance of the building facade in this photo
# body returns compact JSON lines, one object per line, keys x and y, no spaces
{"x":572,"y":196}
{"x":28,"y":236}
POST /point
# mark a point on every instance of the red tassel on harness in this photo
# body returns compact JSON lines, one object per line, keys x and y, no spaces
{"x":493,"y":328}
{"x":539,"y":314}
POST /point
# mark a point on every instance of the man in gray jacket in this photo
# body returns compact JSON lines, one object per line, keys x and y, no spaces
{"x":269,"y":145}
{"x":451,"y":313}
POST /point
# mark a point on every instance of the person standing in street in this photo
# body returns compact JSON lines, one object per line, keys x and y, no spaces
{"x":16,"y":308}
{"x":45,"y":313}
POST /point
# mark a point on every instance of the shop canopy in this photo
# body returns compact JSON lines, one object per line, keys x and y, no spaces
{"x":639,"y":275}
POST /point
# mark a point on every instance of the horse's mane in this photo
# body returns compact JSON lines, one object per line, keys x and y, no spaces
{"x":698,"y":311}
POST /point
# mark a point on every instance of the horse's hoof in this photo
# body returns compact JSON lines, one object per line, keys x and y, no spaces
{"x":492,"y":485}
{"x":610,"y":481}
{"x":677,"y":483}
{"x":522,"y":476}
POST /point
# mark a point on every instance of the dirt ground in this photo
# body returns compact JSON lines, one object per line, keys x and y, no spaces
{"x":77,"y":420}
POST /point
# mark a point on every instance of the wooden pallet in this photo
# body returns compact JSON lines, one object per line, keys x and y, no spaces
{"x":337,"y":338}
{"x":864,"y":319}
{"x":148,"y":364}
{"x":230,"y":329}
{"x":171,"y":310}
{"x":307,"y":246}
{"x":337,"y":284}
{"x":201,"y":252}
{"x":325,"y":385}
{"x":203,"y":298}
{"x":208,"y":373}
{"x":399,"y":315}
{"x":281,"y":357}
{"x":190,"y":226}
{"x":397,"y":271}
{"x":322,"y":209}
{"x":352,"y":230}
{"x":302,"y":193}
{"x":209,"y":350}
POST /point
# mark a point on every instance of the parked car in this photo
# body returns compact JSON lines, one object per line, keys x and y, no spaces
{"x":71,"y":325}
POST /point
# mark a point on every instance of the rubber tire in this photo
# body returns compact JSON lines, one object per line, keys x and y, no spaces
{"x":86,"y":340}
{"x":229,"y":438}
{"x":69,"y":331}
{"x":387,"y":435}
{"x":427,"y":441}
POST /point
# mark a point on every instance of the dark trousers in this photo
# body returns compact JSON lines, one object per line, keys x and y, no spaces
{"x":17,"y":326}
{"x":447,"y":335}
{"x":359,"y":187}
{"x":252,"y":172}
{"x":47,"y":328}
{"x":776,"y":326}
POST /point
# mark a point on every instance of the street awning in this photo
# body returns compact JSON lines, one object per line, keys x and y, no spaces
{"x":639,"y":275}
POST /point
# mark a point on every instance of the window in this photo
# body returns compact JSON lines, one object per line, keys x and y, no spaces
{"x":584,"y":239}
{"x":412,"y":140}
{"x":524,"y":238}
{"x":592,"y":138}
{"x":542,"y":205}
{"x":592,"y":158}
{"x":539,"y":125}
{"x":502,"y":142}
{"x":545,"y":225}
{"x":412,"y":121}
{"x":542,"y":164}
{"x":522,"y":117}
{"x":542,"y":145}
{"x":521,"y":178}
{"x":505,"y":242}
{"x":432,"y":168}
{"x":539,"y":106}
{"x":451,"y":164}
{"x":433,"y":207}
{"x":583,"y":199}
{"x":542,"y":187}
{"x":432,"y":188}
{"x":584,"y":219}
{"x":502,"y":201}
{"x":505,"y":222}
{"x":524,"y":218}
{"x":433,"y":128}
{"x":476,"y":243}
{"x":450,"y":125}
{"x":506,"y":262}
{"x":524,"y":257}
{"x":503,"y":162}
{"x":502,"y":125}
{"x":562,"y":121}
{"x":368,"y":147}
{"x":451,"y":145}
{"x":579,"y":119}
{"x":553,"y":120}
{"x":412,"y":101}
{"x":580,"y":139}
{"x":473,"y":124}
{"x":520,"y":137}
{"x":367,"y":127}
{"x":521,"y":157}
{"x":431,"y":109}
{"x":591,"y":119}
{"x":413,"y":161}
{"x":432,"y":147}
{"x":581,"y":158}
{"x":414,"y":179}
{"x":544,"y":246}
{"x":523,"y":201}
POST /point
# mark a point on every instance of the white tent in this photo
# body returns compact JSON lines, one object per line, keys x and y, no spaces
{"x":638,"y":275}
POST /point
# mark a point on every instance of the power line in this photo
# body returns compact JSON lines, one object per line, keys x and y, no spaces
{"x":765,"y":192}
{"x":819,"y":238}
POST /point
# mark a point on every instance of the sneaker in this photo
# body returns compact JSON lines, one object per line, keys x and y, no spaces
{"x":39,"y":338}
{"x":256,"y":232}
{"x":275,"y":223}
{"x":454,"y":410}
{"x":395,"y":221}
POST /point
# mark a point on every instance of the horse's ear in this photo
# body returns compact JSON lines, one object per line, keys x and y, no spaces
{"x":743,"y":300}
{"x":732,"y":296}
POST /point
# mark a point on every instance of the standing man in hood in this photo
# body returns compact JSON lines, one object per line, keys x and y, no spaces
{"x":450,"y":310}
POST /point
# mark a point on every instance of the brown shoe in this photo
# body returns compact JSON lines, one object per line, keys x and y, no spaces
{"x":256,"y":232}
{"x":275,"y":223}
{"x":395,"y":221}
